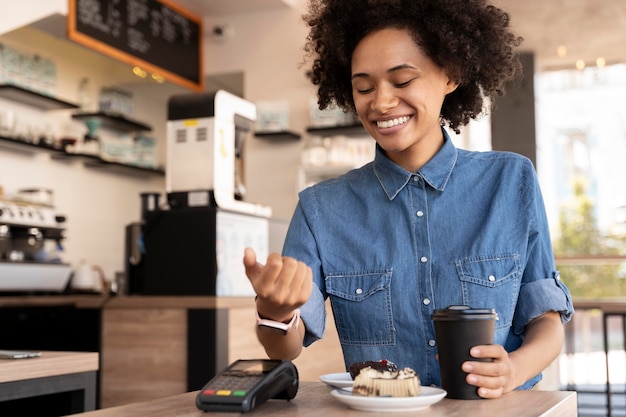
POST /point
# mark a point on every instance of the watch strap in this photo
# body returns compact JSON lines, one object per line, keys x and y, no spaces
{"x":283,"y":327}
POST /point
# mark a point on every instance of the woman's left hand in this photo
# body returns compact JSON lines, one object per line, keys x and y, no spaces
{"x":494,"y":378}
{"x":507,"y":371}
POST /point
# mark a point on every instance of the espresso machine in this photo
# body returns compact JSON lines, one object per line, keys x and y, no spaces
{"x":193,"y":242}
{"x":31,"y":235}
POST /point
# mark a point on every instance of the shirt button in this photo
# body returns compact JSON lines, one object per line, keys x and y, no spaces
{"x":491,"y":278}
{"x":426,"y":301}
{"x":424,"y":259}
{"x":359,"y":291}
{"x":431,"y":343}
{"x":416,"y":178}
{"x":420,"y":213}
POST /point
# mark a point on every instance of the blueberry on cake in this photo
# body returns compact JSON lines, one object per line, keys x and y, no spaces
{"x":399,"y":383}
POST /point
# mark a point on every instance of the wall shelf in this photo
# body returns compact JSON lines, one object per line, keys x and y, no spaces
{"x":32,"y":98}
{"x":93,"y":161}
{"x":355,"y":130}
{"x":90,"y":161}
{"x":280,"y":135}
{"x":21,"y":144}
{"x":114,"y":121}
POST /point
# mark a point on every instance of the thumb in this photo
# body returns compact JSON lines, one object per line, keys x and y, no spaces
{"x":253,"y":268}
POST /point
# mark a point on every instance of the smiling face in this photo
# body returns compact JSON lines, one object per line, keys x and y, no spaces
{"x":398,"y":92}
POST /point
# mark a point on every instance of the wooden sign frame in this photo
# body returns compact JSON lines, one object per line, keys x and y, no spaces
{"x":114,"y":52}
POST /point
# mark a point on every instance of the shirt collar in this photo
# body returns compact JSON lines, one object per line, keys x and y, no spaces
{"x":436,"y":172}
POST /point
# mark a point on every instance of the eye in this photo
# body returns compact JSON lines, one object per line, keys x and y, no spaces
{"x":404,"y":84}
{"x":362,"y":88}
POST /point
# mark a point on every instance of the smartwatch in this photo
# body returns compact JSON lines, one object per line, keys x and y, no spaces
{"x":280,"y":326}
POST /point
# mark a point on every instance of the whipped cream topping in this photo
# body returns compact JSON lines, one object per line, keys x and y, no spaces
{"x":400,"y":374}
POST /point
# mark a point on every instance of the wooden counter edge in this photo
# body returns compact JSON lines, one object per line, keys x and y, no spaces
{"x":208,"y":302}
{"x":186,"y":302}
{"x":567,"y":407}
{"x":48,"y":364}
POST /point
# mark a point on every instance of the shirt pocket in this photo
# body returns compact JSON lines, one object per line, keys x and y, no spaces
{"x":361,"y":305}
{"x":491,"y":282}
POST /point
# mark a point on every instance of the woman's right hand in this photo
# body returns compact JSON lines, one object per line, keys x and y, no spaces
{"x":282,"y":285}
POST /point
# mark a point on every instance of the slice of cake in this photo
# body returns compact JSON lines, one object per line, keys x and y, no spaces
{"x":401,"y":383}
{"x":381,"y":365}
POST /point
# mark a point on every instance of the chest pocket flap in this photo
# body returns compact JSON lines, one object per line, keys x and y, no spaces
{"x":355,"y":297}
{"x":357,"y":287}
{"x":490,"y":271}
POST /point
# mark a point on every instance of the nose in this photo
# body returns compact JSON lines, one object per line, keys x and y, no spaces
{"x":384,"y":99}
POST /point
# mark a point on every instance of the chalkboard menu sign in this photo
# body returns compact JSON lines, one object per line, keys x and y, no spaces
{"x":156,"y":35}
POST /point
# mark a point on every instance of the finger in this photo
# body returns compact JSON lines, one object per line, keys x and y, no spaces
{"x":268,"y":281}
{"x":249,"y":262}
{"x":487,"y":369}
{"x":307,"y":284}
{"x":283,"y":281}
{"x":491,"y":383}
{"x":302,"y":282}
{"x":494,"y":352}
{"x":490,"y":393}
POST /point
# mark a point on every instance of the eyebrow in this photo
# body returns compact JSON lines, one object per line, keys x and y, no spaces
{"x":389,"y":71}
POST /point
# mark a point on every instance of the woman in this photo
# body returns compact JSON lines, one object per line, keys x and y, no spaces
{"x":425,"y":225}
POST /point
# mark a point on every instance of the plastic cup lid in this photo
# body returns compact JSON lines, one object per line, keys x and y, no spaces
{"x":465,"y":312}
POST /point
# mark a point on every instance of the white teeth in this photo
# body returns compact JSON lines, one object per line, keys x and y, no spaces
{"x":393,"y":122}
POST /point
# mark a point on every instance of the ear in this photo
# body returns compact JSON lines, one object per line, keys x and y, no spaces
{"x":451,"y":86}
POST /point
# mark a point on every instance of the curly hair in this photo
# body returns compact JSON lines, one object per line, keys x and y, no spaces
{"x":470,"y":39}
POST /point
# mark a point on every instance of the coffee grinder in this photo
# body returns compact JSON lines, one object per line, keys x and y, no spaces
{"x":194,"y":244}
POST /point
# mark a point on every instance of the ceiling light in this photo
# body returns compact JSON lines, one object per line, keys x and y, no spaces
{"x":580,"y":64}
{"x":158,"y":78}
{"x":601,"y":62}
{"x":561,"y":51}
{"x":139,"y":72}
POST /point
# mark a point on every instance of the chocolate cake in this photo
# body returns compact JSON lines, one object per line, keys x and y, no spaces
{"x":381,"y":365}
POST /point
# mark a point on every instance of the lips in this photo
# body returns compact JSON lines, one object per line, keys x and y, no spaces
{"x":385,"y":124}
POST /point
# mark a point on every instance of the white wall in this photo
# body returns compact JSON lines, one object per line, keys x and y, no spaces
{"x":15,"y":14}
{"x":98,"y":204}
{"x":266,"y":46}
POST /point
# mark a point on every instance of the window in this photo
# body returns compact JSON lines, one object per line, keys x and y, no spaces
{"x":581,"y":150}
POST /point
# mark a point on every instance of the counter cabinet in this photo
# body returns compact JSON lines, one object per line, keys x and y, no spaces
{"x":151,"y":346}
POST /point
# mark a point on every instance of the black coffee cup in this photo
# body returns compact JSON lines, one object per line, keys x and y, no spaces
{"x":457,"y":330}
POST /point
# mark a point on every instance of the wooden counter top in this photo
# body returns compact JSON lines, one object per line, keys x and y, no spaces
{"x":128,"y":301}
{"x":78,"y":300}
{"x":47,"y":365}
{"x":314,"y":400}
{"x":195,"y":302}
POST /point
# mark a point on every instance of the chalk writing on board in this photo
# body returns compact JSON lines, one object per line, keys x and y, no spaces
{"x":156,"y":32}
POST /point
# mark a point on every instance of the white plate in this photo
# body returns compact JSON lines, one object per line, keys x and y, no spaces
{"x":339,"y":380}
{"x":428,"y":397}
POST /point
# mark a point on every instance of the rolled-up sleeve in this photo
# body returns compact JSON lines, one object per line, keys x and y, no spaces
{"x":313,"y":314}
{"x":300,"y":244}
{"x":539,"y":297}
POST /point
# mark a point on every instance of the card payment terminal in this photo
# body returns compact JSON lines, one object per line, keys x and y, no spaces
{"x":246,"y":383}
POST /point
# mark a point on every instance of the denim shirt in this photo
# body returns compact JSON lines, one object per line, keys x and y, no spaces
{"x":390,"y":246}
